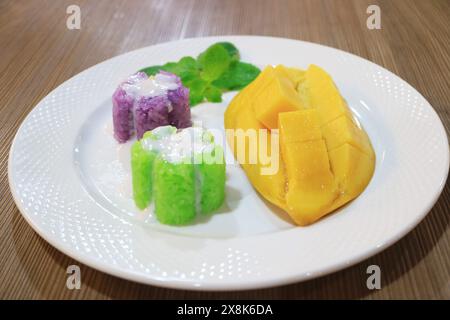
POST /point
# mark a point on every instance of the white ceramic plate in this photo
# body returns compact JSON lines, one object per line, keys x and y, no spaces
{"x":70,"y":179}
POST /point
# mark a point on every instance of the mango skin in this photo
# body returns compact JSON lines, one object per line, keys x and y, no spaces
{"x":327,"y":159}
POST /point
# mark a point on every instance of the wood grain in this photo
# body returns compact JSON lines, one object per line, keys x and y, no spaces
{"x":38,"y":52}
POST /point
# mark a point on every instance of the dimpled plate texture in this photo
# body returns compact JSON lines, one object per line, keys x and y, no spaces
{"x":69,"y":179}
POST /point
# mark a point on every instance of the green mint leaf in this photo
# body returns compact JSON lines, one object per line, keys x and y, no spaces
{"x":187,"y":69}
{"x":188,"y":63}
{"x":213,"y":94}
{"x":213,"y":62}
{"x":170,"y":67}
{"x":197,"y":89}
{"x":231,"y":49}
{"x":215,"y":70}
{"x":239,"y":75}
{"x":195,"y":99}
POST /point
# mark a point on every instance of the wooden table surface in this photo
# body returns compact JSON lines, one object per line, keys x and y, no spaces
{"x":38,"y":52}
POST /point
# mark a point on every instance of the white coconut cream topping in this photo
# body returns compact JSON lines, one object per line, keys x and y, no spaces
{"x":177,"y":146}
{"x":156,"y":85}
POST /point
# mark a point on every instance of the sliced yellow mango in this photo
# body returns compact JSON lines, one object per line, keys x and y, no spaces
{"x":352,"y":169}
{"x":277,"y":95}
{"x":261,"y":82}
{"x":271,"y":187}
{"x":245,"y":97}
{"x":326,"y":158}
{"x":311,"y":185}
{"x":323,"y":95}
{"x":295,"y":75}
{"x":299,"y":126}
{"x":344,"y":130}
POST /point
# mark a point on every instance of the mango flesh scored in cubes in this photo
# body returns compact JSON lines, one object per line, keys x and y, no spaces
{"x":240,"y":115}
{"x":299,"y":126}
{"x":277,"y":95}
{"x":344,"y":130}
{"x":232,"y":113}
{"x":272,"y":187}
{"x":245,"y":97}
{"x":323,"y":95}
{"x":295,"y":75}
{"x":352,"y":169}
{"x":311,"y":187}
{"x":326,"y":158}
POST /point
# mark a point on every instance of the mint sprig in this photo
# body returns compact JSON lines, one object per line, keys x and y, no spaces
{"x":216,"y":70}
{"x":213,"y":62}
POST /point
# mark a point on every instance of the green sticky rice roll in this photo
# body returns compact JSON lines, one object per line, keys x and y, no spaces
{"x":210,"y":175}
{"x":142,"y":171}
{"x":174,"y":185}
{"x":181,"y":171}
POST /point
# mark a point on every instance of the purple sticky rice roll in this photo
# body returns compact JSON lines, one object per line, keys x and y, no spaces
{"x":180,"y":116}
{"x":143,"y":103}
{"x":151,"y":112}
{"x":123,"y":104}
